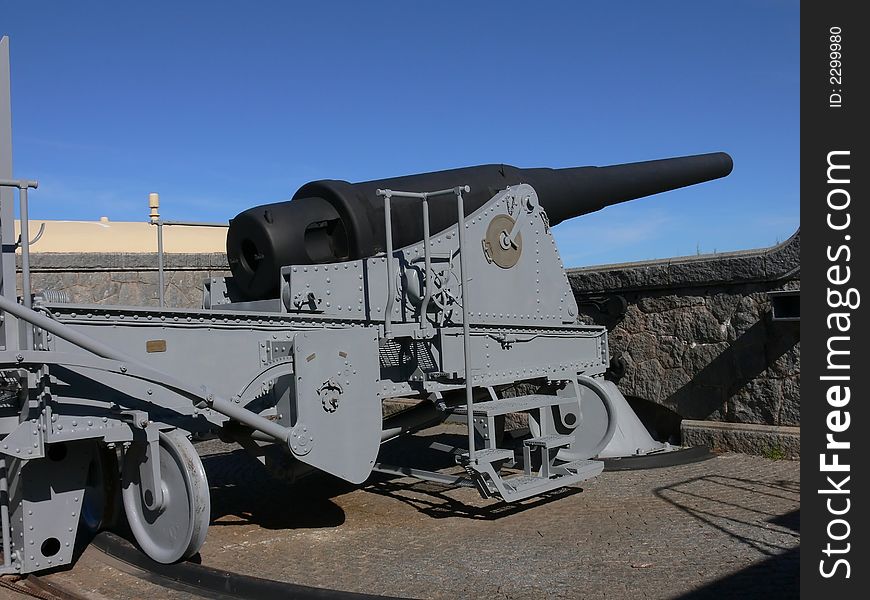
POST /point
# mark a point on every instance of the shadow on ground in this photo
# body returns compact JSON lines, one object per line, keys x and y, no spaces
{"x":745,"y":510}
{"x":432,"y":499}
{"x":781,"y":571}
{"x":240,"y":487}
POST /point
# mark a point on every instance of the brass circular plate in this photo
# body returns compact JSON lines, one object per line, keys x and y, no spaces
{"x":496,"y":232}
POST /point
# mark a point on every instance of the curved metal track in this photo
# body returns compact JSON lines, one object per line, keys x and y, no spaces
{"x":36,"y":587}
{"x":658,"y":460}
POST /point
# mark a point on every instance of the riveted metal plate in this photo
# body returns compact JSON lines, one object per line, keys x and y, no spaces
{"x":276,"y":351}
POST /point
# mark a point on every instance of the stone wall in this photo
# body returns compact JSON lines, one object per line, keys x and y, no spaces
{"x":694,"y":335}
{"x":126,"y":279}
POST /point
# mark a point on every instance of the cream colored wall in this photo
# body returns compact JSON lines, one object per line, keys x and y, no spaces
{"x":120,"y":236}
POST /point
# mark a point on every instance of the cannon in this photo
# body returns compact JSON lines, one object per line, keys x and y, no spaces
{"x":331,"y":220}
{"x":445,"y":288}
{"x":455,"y":312}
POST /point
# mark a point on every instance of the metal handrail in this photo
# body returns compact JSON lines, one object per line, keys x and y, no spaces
{"x":466,"y":328}
{"x":388,"y":225}
{"x":159,"y":223}
{"x":154,"y":219}
{"x":24,"y":216}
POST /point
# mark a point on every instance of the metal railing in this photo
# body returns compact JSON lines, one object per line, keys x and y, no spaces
{"x":463,"y":297}
{"x":154,"y":219}
{"x":23,"y":185}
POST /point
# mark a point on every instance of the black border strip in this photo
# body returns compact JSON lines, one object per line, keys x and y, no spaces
{"x":835,"y":241}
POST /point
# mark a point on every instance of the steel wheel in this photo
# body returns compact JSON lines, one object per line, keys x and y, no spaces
{"x":178,"y":530}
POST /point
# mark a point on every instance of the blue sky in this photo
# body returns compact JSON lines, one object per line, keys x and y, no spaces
{"x":219,"y":106}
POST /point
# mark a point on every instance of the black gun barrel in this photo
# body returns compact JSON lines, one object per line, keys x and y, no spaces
{"x":331,"y":220}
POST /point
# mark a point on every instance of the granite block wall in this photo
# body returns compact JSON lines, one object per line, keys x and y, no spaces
{"x":695,"y":334}
{"x":126,"y":279}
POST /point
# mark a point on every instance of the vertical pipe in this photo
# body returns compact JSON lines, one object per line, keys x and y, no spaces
{"x":388,"y":225}
{"x":424,"y":308}
{"x":26,"y":295}
{"x":160,"y":283}
{"x":25,"y":247}
{"x":4,"y":514}
{"x":466,"y":327}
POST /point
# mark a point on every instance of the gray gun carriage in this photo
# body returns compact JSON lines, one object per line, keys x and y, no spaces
{"x":443,"y":287}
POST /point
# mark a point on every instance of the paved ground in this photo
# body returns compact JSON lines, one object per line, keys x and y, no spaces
{"x":727,"y":527}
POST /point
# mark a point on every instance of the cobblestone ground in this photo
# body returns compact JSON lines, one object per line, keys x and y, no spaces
{"x":723,"y":528}
{"x":726,"y":527}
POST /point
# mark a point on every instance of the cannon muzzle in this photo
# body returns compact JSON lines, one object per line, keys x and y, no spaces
{"x":331,"y":220}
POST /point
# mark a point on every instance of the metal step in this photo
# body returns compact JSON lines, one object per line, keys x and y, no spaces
{"x":489,"y":455}
{"x":526,"y":486}
{"x":519,"y":487}
{"x":549,"y":441}
{"x":494,"y":408}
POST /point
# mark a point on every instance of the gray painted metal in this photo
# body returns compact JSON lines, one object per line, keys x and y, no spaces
{"x":4,"y":516}
{"x":161,"y":284}
{"x":8,"y":326}
{"x":46,"y":498}
{"x":630,"y":437}
{"x":464,"y":299}
{"x":450,"y":480}
{"x":26,"y":289}
{"x":336,"y":417}
{"x":355,"y":289}
{"x":127,"y":364}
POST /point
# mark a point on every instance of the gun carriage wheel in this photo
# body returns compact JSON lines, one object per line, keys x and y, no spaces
{"x":178,"y":529}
